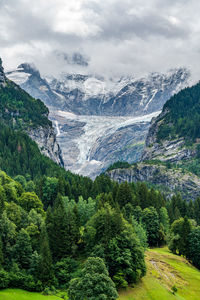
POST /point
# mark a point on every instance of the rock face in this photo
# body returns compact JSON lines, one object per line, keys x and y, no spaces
{"x":171,"y":181}
{"x":2,"y":75}
{"x":124,"y":144}
{"x":126,"y":96}
{"x":96,"y":95}
{"x":45,"y":137}
{"x":173,"y":150}
{"x":28,"y":77}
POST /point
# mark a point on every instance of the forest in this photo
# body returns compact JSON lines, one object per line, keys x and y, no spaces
{"x":53,"y":238}
{"x":182,"y":117}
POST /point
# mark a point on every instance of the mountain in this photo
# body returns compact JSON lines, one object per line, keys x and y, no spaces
{"x":2,"y":75}
{"x":172,"y":150}
{"x":100,"y":120}
{"x":20,"y":111}
{"x":29,"y":79}
{"x":174,"y":135}
{"x":97,"y":95}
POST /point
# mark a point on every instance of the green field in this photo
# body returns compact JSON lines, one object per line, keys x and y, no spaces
{"x":15,"y":294}
{"x":164,"y":271}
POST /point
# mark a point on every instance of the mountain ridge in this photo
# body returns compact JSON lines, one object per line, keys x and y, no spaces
{"x":171,"y":147}
{"x":22,"y":112}
{"x":99,"y":107}
{"x":96,"y":95}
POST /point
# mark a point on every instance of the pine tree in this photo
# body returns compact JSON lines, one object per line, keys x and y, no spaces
{"x":124,"y":195}
{"x":23,"y":249}
{"x":45,"y":265}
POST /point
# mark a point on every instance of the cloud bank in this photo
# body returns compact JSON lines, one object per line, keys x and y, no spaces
{"x":112,"y":37}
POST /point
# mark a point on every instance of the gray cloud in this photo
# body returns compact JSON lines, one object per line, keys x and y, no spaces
{"x":110,"y":37}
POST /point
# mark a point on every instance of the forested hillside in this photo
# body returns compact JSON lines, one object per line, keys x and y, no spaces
{"x":19,"y":110}
{"x":182,"y":117}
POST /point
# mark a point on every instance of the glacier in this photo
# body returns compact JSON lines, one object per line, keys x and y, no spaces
{"x":93,"y":129}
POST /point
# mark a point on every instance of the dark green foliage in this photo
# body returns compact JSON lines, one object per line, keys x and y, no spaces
{"x":23,"y":249}
{"x":4,"y":279}
{"x":30,"y":201}
{"x":125,"y":256}
{"x":183,"y":116}
{"x":164,"y":219}
{"x":124,"y":195}
{"x":63,"y":229}
{"x":180,"y":231}
{"x":94,"y":283}
{"x":19,"y":110}
{"x":109,"y":236}
{"x":193,"y":248}
{"x":150,"y":221}
{"x":119,"y":165}
{"x":45,"y":271}
{"x":107,"y":223}
{"x":64,"y":271}
{"x":140,"y":232}
{"x":20,"y":155}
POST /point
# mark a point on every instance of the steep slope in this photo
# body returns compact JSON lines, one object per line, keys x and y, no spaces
{"x":97,"y":95}
{"x":172,"y":147}
{"x":2,"y":75}
{"x":20,"y":111}
{"x":29,"y":79}
{"x":174,"y":135}
{"x":165,"y":270}
{"x":112,"y":132}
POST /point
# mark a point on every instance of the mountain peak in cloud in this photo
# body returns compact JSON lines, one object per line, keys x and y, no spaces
{"x":28,"y":68}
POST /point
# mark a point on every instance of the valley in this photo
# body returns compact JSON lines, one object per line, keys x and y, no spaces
{"x":91,"y":143}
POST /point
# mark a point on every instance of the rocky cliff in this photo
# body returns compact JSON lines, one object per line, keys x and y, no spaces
{"x":45,"y":137}
{"x":2,"y":75}
{"x":168,"y":180}
{"x":29,"y":115}
{"x":172,"y":147}
{"x":172,"y":150}
{"x":98,"y":95}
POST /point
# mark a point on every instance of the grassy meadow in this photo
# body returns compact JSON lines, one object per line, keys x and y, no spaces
{"x":165,"y":271}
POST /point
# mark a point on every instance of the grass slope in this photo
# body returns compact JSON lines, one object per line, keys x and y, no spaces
{"x":16,"y":294}
{"x":164,"y":271}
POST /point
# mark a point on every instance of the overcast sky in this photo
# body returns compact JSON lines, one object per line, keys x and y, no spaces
{"x":113,"y":36}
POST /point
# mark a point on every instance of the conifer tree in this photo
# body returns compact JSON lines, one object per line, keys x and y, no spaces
{"x":45,"y":265}
{"x":23,"y":249}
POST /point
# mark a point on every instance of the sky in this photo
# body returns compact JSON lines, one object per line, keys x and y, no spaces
{"x":105,"y":37}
